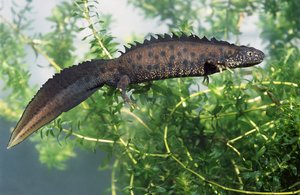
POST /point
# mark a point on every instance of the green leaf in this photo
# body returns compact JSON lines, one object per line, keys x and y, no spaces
{"x":139,"y":145}
{"x":105,"y":161}
{"x":286,"y":158}
{"x":217,"y":109}
{"x":216,"y":153}
{"x":293,"y":168}
{"x":246,"y":163}
{"x":160,"y":189}
{"x":78,"y":125}
{"x":260,"y":152}
{"x":81,"y":29}
{"x":293,"y":140}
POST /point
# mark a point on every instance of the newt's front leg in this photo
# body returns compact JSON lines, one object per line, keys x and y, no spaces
{"x":122,"y":86}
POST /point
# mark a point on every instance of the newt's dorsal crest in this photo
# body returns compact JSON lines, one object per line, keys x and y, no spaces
{"x":167,"y":38}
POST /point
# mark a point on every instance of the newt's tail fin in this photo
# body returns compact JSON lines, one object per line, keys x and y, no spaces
{"x":59,"y":94}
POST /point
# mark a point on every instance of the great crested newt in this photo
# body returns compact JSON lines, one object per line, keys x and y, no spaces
{"x":155,"y":59}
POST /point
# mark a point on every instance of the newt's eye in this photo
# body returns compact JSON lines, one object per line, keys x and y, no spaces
{"x":250,"y":53}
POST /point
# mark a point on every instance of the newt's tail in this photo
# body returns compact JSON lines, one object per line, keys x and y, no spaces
{"x":59,"y":94}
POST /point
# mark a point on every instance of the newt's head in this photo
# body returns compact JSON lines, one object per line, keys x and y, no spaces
{"x":244,"y":57}
{"x":235,"y":57}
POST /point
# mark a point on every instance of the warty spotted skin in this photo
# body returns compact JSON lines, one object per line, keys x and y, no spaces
{"x":155,"y":59}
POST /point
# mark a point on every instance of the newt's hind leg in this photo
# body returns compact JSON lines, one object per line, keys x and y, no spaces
{"x":122,"y":86}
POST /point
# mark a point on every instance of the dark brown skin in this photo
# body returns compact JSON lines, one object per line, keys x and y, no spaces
{"x":161,"y":58}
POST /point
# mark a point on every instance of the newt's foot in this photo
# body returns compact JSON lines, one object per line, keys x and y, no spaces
{"x":206,"y":78}
{"x":227,"y":68}
{"x":131,"y":103}
{"x":122,"y":86}
{"x":220,"y":68}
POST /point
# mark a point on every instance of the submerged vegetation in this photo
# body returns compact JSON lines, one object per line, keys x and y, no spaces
{"x":238,"y":135}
